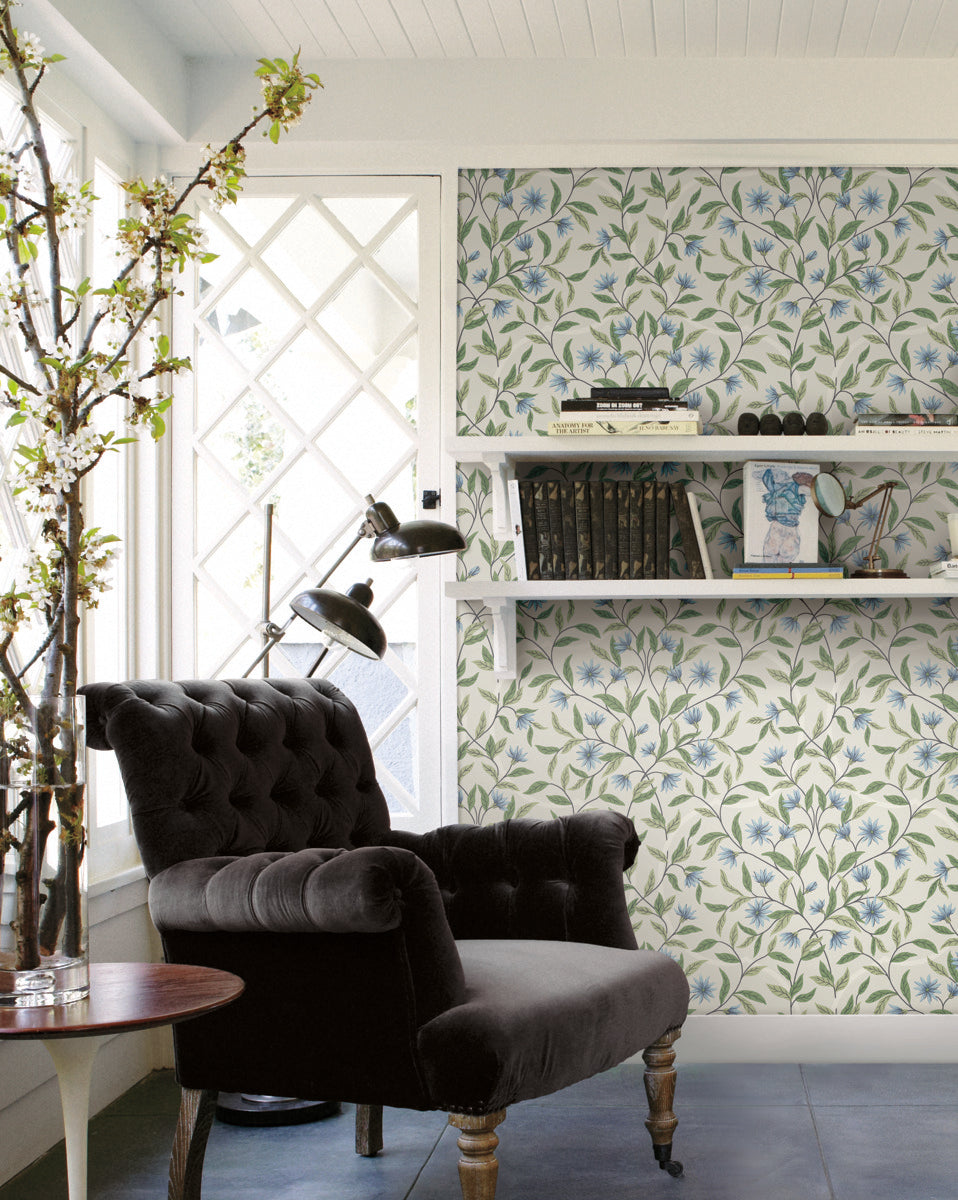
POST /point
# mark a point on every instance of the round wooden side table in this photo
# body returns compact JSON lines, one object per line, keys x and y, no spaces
{"x":124,"y":997}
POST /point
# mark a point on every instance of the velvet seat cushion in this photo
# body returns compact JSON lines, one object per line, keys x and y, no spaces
{"x":539,"y":1016}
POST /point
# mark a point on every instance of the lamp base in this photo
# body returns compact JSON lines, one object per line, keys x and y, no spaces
{"x":238,"y":1108}
{"x":878,"y":573}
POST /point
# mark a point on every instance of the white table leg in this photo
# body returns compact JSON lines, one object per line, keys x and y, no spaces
{"x":73,"y":1059}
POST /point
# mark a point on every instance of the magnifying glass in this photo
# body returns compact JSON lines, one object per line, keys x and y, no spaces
{"x":830,"y":498}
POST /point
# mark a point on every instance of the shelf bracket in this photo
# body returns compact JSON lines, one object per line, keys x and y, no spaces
{"x":503,"y":613}
{"x":502,"y":468}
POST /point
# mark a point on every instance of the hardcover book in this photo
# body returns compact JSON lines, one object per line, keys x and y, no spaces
{"x":597,"y":519}
{"x":610,"y":518}
{"x":663,"y":530}
{"x":779,"y":517}
{"x":690,"y":545}
{"x":543,"y":532}
{"x":570,"y":546}
{"x":556,"y":546}
{"x":693,"y":500}
{"x":636,"y":526}
{"x":583,"y":529}
{"x":624,"y":561}
{"x":648,"y":530}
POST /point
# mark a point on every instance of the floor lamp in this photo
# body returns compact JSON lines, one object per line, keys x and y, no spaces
{"x":343,"y":617}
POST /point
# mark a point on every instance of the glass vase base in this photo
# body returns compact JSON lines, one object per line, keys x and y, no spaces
{"x":55,"y":981}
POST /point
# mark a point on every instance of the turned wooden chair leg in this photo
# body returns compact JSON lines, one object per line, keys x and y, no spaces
{"x":477,"y":1141}
{"x":197,"y":1110}
{"x":369,"y":1129}
{"x":660,"y":1089}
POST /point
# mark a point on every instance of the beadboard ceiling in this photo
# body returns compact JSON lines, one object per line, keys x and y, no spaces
{"x":557,"y":29}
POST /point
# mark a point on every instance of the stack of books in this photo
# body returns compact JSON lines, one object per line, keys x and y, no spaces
{"x":948,"y":569}
{"x":626,"y":411}
{"x":877,"y":424}
{"x":602,"y":529}
{"x":788,"y":571}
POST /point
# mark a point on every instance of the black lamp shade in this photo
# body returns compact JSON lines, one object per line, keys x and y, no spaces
{"x":410,"y":539}
{"x":344,"y":618}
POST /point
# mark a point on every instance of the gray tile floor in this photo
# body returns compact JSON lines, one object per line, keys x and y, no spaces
{"x":769,"y":1132}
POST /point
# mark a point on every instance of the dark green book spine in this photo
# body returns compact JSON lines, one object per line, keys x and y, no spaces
{"x":648,"y":530}
{"x":663,"y":530}
{"x":690,"y":543}
{"x":624,"y":521}
{"x":555,"y":528}
{"x":635,"y":530}
{"x":610,"y":506}
{"x":570,"y":548}
{"x":597,"y":517}
{"x":543,"y":532}
{"x":527,"y":514}
{"x":583,"y":529}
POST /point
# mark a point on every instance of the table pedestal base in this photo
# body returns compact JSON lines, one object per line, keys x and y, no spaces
{"x":73,"y":1060}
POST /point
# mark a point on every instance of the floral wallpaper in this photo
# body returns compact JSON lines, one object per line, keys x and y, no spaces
{"x":792,"y":767}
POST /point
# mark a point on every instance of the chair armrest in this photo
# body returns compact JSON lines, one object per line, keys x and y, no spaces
{"x":560,"y":880}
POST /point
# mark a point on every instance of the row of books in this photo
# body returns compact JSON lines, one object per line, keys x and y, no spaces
{"x":629,"y":412}
{"x":788,"y":571}
{"x":603,"y":529}
{"x":880,"y":424}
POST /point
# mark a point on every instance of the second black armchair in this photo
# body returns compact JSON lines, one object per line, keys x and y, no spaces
{"x":465,"y":969}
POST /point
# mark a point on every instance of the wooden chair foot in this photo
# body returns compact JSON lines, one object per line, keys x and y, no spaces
{"x":660,"y":1089}
{"x":197,"y":1110}
{"x":369,"y":1129}
{"x":477,"y":1141}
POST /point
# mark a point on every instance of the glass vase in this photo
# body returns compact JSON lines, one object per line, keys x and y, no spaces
{"x":44,"y":940}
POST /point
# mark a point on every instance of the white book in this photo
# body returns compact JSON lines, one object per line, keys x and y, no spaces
{"x":700,"y":533}
{"x":779,"y":517}
{"x":515,"y":524}
{"x":908,"y":430}
{"x":596,"y":425}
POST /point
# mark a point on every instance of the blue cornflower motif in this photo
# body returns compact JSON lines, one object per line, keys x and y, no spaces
{"x":674,"y":674}
{"x":759,"y":912}
{"x":836,"y":799}
{"x":944,"y":913}
{"x":616,"y":358}
{"x":837,"y":624}
{"x":928,"y":673}
{"x":564,"y":226}
{"x":668,"y":326}
{"x":926,"y":755}
{"x":786,"y":831}
{"x":559,"y":698}
{"x":533,"y":199}
{"x":501,"y":307}
{"x":871,"y":200}
{"x":621,"y":642}
{"x":932,"y":719}
{"x":692,"y":716}
{"x":670,"y":781}
{"x":693,"y":877}
{"x":702,"y":754}
{"x":516,"y":753}
{"x":728,"y":226}
{"x":872,"y":280}
{"x":817,"y":907}
{"x":838,"y":309}
{"x":928,"y":358}
{"x":621,"y":328}
{"x":481,"y":275}
{"x":694,"y":399}
{"x":940,"y":238}
{"x":534,"y":280}
{"x":759,"y":831}
{"x":932,"y":403}
{"x":675,"y":357}
{"x":872,"y":912}
{"x":595,"y":719}
{"x":854,"y":754}
{"x":787,"y":201}
{"x":727,"y":856}
{"x":843,"y":832}
{"x":763,"y":246}
{"x":901,"y":225}
{"x":862,"y":719}
{"x":764,"y":877}
{"x":733,"y":383}
{"x":861,"y":242}
{"x":928,"y":989}
{"x":590,"y":673}
{"x":900,"y":856}
{"x":774,"y":755}
{"x":759,"y":200}
{"x":862,"y":873}
{"x":897,"y":383}
{"x":862,"y":403}
{"x":505,"y":200}
{"x":943,"y":282}
{"x":589,"y":754}
{"x":772,"y":395}
{"x":590,"y":358}
{"x":667,"y":642}
{"x":524,"y":243}
{"x":791,"y":939}
{"x":772,"y":711}
{"x":792,"y":799}
{"x":896,"y":699}
{"x":684,"y":913}
{"x":692,"y":247}
{"x":817,"y":275}
{"x":844,"y":200}
{"x":525,"y":720}
{"x":647,"y":748}
{"x":703,"y":673}
{"x":606,"y":282}
{"x":870,"y":831}
{"x":790,"y":308}
{"x":525,"y":404}
{"x":702,"y":358}
{"x":838,"y":939}
{"x":702,"y":989}
{"x":757,"y":280}
{"x":604,"y":239}
{"x":499,"y":799}
{"x":622,"y":782}
{"x":733,"y":699}
{"x":559,"y":384}
{"x":685,"y":281}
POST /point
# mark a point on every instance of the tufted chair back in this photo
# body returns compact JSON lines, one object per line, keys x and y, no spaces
{"x":214,"y":767}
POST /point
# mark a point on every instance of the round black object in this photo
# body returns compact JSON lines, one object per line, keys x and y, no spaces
{"x":770,"y":424}
{"x":793,"y":424}
{"x":816,"y":424}
{"x":748,"y":424}
{"x":237,"y":1108}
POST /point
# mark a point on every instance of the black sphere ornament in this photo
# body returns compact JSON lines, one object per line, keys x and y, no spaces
{"x":793,"y":424}
{"x":816,"y":424}
{"x":770,"y":425}
{"x":748,"y":424}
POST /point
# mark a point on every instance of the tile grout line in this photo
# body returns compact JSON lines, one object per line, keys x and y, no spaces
{"x":818,"y":1140}
{"x":426,"y":1161}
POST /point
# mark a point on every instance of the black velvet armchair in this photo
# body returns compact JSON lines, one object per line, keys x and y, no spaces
{"x":464,"y":969}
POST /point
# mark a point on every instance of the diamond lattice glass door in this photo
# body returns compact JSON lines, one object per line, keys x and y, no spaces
{"x":314,"y":339}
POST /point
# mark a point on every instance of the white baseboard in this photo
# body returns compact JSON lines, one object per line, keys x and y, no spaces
{"x":716,"y":1038}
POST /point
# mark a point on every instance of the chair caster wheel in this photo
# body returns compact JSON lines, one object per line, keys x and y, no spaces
{"x":672,"y":1167}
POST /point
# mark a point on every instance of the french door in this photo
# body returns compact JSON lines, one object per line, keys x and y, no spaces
{"x":314,"y":337}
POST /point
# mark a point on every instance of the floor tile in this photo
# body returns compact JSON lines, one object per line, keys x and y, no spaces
{"x":889,"y":1153}
{"x":881,"y":1083}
